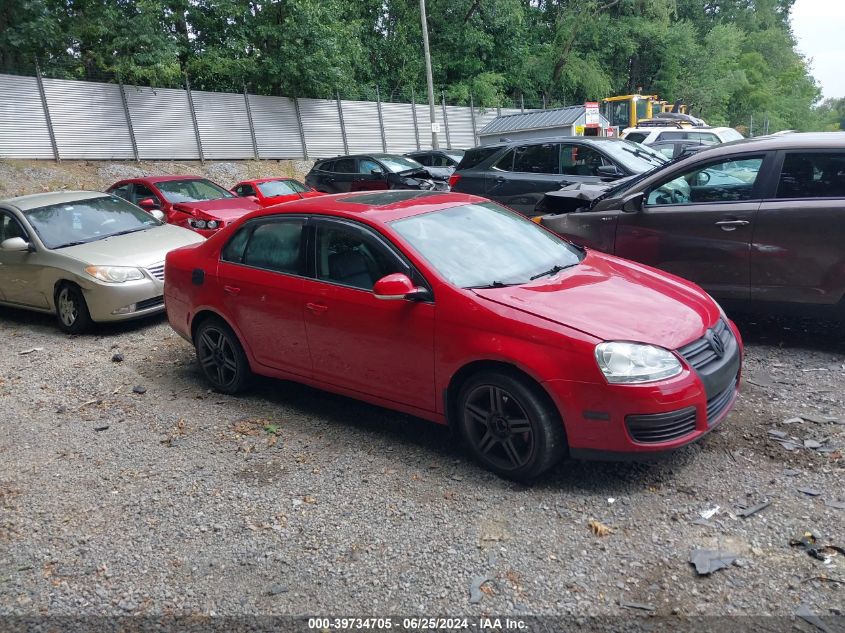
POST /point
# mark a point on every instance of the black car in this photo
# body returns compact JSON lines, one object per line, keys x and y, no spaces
{"x":369,"y":172}
{"x":440,"y":163}
{"x":517,"y":174}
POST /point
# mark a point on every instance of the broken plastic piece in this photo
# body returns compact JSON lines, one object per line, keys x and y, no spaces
{"x":707,"y":561}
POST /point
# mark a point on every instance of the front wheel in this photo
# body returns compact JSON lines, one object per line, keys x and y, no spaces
{"x":510,"y":425}
{"x":71,"y":310}
{"x":221,"y":357}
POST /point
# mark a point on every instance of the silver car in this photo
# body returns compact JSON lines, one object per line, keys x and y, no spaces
{"x":84,"y":256}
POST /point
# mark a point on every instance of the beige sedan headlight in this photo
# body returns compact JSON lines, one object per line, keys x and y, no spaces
{"x":115,"y":274}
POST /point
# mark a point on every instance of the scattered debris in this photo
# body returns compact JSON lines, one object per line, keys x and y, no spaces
{"x":808,"y":616}
{"x":611,"y":500}
{"x":793,"y":421}
{"x":275,"y":590}
{"x":811,"y":492}
{"x":809,"y":544}
{"x":475,"y":592}
{"x":754,"y":509}
{"x":707,"y":561}
{"x":839,"y":505}
{"x":779,"y":434}
{"x":30,"y":351}
{"x":636,"y":605}
{"x":117,"y":358}
{"x":139,"y":389}
{"x":791,"y":472}
{"x":101,"y":428}
{"x":709,"y":514}
{"x":599,"y":528}
{"x":812,"y":444}
{"x":790,"y":445}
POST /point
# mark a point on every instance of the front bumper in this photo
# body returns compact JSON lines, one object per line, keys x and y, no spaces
{"x":623,"y":422}
{"x":119,"y":302}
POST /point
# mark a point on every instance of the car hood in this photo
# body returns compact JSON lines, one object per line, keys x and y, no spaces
{"x":222,"y":209}
{"x":615,"y":300}
{"x":586,"y":191}
{"x":286,"y":197}
{"x":142,"y":248}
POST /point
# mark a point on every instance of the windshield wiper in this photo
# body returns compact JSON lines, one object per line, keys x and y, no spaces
{"x":127,"y":231}
{"x":72,"y":244}
{"x":551,"y":271}
{"x":492,"y":284}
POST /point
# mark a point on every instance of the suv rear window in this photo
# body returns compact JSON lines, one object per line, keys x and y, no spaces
{"x":476,"y":156}
{"x":636,"y":137}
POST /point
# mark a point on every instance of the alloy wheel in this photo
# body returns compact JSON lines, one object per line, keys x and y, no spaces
{"x":68,"y":310}
{"x":217,"y":356}
{"x":499,"y":427}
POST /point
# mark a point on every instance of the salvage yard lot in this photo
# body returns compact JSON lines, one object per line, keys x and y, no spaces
{"x":291,"y":500}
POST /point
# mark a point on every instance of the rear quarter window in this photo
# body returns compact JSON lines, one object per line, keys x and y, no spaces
{"x":476,"y":156}
{"x":636,"y":137}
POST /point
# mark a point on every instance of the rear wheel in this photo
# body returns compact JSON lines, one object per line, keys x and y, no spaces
{"x":71,"y":309}
{"x":510,"y":425}
{"x":221,"y":357}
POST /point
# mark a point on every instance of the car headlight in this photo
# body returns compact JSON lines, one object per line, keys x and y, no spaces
{"x":196,"y":224}
{"x":115,"y":274}
{"x":622,"y":362}
{"x":212,"y":224}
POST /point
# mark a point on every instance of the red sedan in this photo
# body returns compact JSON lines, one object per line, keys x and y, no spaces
{"x":190,"y":201}
{"x":270,"y":191}
{"x":452,"y":308}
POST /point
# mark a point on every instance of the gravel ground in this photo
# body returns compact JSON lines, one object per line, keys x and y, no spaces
{"x":289,"y":500}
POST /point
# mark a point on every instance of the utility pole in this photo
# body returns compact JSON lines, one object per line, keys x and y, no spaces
{"x":429,"y":80}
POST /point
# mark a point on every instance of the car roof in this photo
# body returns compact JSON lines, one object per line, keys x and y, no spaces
{"x":255,"y":181}
{"x":798,"y":140}
{"x":554,"y":139}
{"x":165,"y":178}
{"x":375,"y":155}
{"x":36,"y":200}
{"x":378,"y":207}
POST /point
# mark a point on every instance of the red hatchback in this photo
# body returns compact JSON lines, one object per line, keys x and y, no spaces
{"x":452,"y":308}
{"x":270,"y":191}
{"x":190,"y":201}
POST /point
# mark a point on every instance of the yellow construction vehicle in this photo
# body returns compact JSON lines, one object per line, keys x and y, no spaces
{"x":626,"y":111}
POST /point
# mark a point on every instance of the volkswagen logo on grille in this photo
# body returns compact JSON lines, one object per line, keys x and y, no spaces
{"x":716,"y":343}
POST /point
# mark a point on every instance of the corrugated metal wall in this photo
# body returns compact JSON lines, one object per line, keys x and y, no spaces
{"x":88,"y":119}
{"x":162,"y":122}
{"x":90,"y":122}
{"x":276,"y":127}
{"x":23,"y":127}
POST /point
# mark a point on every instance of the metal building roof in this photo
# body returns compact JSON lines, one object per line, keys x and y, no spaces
{"x":534,"y":120}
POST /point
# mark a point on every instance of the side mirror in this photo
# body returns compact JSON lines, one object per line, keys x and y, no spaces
{"x":609,"y":171}
{"x":377,"y":172}
{"x":148,"y":204}
{"x":19,"y":245}
{"x":398,"y":286}
{"x":157,"y":214}
{"x":634,"y":203}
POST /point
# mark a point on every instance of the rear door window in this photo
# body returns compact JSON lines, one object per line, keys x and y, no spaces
{"x":536,"y":159}
{"x":505,"y":163}
{"x":275,"y":246}
{"x":812,"y":175}
{"x":344,"y":166}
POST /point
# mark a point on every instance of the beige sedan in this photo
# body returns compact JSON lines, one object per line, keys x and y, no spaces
{"x":84,"y":256}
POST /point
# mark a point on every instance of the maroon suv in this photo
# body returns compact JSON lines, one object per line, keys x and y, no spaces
{"x":759,"y":223}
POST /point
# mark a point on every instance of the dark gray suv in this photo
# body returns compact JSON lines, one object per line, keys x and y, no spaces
{"x":518,"y":173}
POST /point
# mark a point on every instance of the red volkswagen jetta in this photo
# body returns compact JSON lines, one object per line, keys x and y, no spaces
{"x":452,"y":308}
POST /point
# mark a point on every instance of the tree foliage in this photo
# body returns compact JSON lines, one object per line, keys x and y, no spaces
{"x":730,"y":60}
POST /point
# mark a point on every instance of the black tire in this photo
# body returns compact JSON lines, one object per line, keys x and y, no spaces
{"x":71,"y":309}
{"x":221,"y":357}
{"x":510,"y":425}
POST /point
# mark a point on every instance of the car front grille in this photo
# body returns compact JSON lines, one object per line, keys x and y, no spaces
{"x":661,"y":427}
{"x":149,"y":303}
{"x":701,"y":353}
{"x":157,"y":271}
{"x":716,"y":405}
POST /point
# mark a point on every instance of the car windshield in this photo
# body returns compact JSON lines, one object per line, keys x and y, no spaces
{"x":192,"y":190}
{"x":486,"y":245}
{"x":398,"y":164}
{"x":635,"y":157}
{"x":71,"y":223}
{"x":281,"y":187}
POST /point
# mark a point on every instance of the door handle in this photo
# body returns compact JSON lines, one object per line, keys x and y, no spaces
{"x":500,"y":179}
{"x":231,"y":290}
{"x":316,"y":308}
{"x":731,"y":225}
